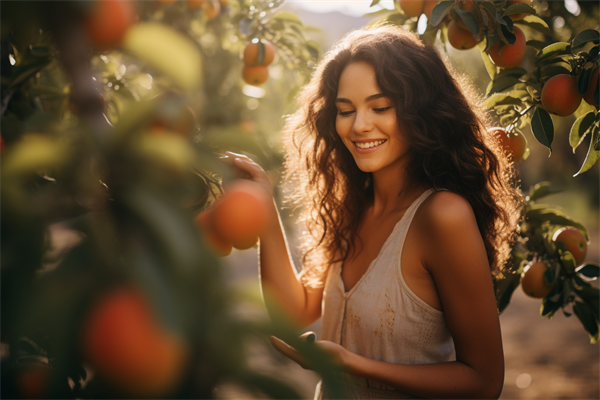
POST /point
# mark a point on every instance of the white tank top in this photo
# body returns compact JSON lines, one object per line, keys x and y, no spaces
{"x":382,"y":319}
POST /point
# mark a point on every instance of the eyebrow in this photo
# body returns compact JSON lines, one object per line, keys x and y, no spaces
{"x":370,"y":98}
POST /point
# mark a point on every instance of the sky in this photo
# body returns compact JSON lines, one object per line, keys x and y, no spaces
{"x":356,"y":8}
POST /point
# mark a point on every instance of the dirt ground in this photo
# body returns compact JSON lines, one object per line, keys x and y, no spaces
{"x":545,"y":359}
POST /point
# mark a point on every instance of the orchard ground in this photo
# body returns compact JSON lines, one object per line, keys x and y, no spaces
{"x":545,"y":359}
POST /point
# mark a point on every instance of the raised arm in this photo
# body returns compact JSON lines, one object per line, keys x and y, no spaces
{"x":279,"y":281}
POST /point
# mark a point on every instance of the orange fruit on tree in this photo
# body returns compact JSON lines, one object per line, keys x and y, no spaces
{"x":428,"y":6}
{"x":211,"y":9}
{"x":592,"y":87}
{"x":107,"y":22}
{"x":465,"y":5}
{"x":459,"y":38}
{"x":412,"y":8}
{"x":255,"y":75}
{"x":193,"y":4}
{"x":241,"y":214}
{"x":205,"y":221}
{"x":574,"y":242}
{"x":260,"y":53}
{"x":532,"y":280}
{"x":514,"y":143}
{"x":128,"y":347}
{"x":516,"y":17}
{"x":511,"y":55}
{"x":560,"y":95}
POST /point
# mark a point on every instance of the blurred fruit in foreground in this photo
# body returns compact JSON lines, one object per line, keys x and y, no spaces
{"x":75,"y":109}
{"x":240,"y":215}
{"x":574,"y":242}
{"x":560,"y":95}
{"x":514,"y":144}
{"x":592,"y":87}
{"x":412,"y":8}
{"x":205,"y":221}
{"x":459,"y":38}
{"x":256,"y":75}
{"x":519,"y":16}
{"x":108,"y":21}
{"x":532,"y":280}
{"x":428,"y":7}
{"x":211,"y":9}
{"x":260,"y":53}
{"x":125,"y":345}
{"x":33,"y":381}
{"x":511,"y":55}
{"x":180,"y":119}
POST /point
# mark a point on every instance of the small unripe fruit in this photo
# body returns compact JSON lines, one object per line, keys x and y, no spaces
{"x":532,"y":280}
{"x":511,"y":55}
{"x":560,"y":95}
{"x":574,"y":242}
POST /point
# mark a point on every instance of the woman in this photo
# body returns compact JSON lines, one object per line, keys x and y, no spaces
{"x":408,"y":205}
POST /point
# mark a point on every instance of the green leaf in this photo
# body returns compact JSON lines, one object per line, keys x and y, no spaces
{"x":580,"y":129}
{"x":23,"y":72}
{"x":288,"y":17}
{"x":593,"y":152}
{"x":589,"y":270}
{"x":540,"y":213}
{"x":553,"y":70}
{"x":490,"y":67}
{"x":374,"y":3}
{"x":501,"y":99}
{"x":549,"y":307}
{"x":167,"y":50}
{"x":504,"y":289}
{"x":589,"y":35}
{"x":536,"y":23}
{"x":584,"y":81}
{"x":536,"y":44}
{"x":469,"y":19}
{"x":541,"y":190}
{"x":555,"y":49}
{"x":568,"y":260}
{"x":518,"y":9}
{"x":500,"y":84}
{"x":515,"y":72}
{"x":543,"y":128}
{"x":440,"y":11}
{"x":589,"y":294}
{"x":586,"y":316}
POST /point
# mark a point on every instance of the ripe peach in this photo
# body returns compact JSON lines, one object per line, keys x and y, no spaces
{"x":193,"y":4}
{"x":205,"y":221}
{"x":514,"y":144}
{"x":592,"y":87}
{"x":459,"y":38}
{"x":516,"y":17}
{"x":412,"y":8}
{"x":251,"y":53}
{"x":511,"y":55}
{"x":241,"y":214}
{"x":574,"y":242}
{"x":211,"y":9}
{"x":428,"y":7}
{"x":532,"y":280}
{"x":255,"y":75}
{"x":128,"y":347}
{"x":560,"y":95}
{"x":108,"y":21}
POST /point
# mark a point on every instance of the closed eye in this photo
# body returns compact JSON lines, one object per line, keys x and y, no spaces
{"x":380,"y":110}
{"x":345,"y":113}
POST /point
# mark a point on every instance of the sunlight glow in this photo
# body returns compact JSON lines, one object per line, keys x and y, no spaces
{"x":573,"y":7}
{"x":355,"y":8}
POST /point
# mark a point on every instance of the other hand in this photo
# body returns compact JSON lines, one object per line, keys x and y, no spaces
{"x":334,"y":350}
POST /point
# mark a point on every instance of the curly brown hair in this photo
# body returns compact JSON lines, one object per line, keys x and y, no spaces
{"x":449,"y":147}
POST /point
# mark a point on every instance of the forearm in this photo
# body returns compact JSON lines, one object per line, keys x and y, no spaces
{"x":277,"y":275}
{"x":437,"y":380}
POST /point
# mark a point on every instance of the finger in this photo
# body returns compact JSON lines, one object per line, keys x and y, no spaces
{"x":288,"y":351}
{"x":308,"y":337}
{"x":248,"y":166}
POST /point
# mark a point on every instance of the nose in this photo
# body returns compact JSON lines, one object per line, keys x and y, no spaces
{"x":362,"y":123}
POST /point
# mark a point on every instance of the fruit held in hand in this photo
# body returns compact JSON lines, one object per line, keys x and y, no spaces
{"x":560,"y":95}
{"x":205,"y":221}
{"x":511,"y":55}
{"x":108,"y":21}
{"x":459,"y":38}
{"x":240,"y":215}
{"x":574,"y":242}
{"x":532,"y":280}
{"x":128,"y":347}
{"x":514,"y":144}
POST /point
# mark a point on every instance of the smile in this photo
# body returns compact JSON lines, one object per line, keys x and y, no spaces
{"x":369,"y":145}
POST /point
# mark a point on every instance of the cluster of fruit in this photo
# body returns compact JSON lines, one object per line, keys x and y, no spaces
{"x":532,"y":280}
{"x":560,"y":94}
{"x":257,"y":56}
{"x":236,"y":219}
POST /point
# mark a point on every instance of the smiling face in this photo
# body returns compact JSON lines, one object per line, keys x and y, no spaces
{"x":366,"y":121}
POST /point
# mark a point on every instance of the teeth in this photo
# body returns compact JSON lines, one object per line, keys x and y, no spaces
{"x":368,"y":145}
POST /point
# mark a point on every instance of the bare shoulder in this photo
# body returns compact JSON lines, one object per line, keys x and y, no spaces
{"x":444,"y":210}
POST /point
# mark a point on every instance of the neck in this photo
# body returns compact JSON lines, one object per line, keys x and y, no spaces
{"x":393,"y":192}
